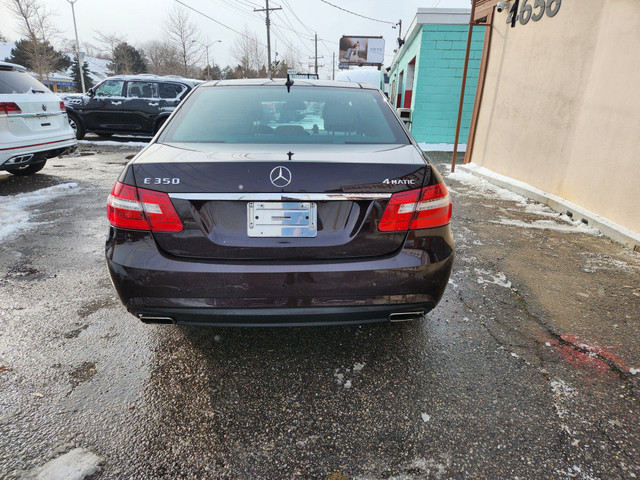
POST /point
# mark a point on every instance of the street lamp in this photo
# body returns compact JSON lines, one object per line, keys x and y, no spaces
{"x":206,"y":46}
{"x":80,"y":61}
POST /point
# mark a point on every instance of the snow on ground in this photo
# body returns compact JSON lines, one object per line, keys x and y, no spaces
{"x":484,"y":187}
{"x":441,"y":147}
{"x":112,"y":143}
{"x":16,"y":210}
{"x":574,"y":227}
{"x":499,"y":278}
{"x":74,"y":465}
{"x":596,"y":262}
{"x":560,"y":222}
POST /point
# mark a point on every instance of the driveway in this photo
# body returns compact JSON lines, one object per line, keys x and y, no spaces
{"x":529,"y":367}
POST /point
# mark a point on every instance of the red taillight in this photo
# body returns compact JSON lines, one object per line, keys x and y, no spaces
{"x":63,"y":107}
{"x":9,"y":107}
{"x":139,"y":209}
{"x":426,"y":208}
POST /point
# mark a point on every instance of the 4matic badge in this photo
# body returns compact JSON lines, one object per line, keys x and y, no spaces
{"x":400,"y":181}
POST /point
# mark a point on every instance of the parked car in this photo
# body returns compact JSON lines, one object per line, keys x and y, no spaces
{"x":242,"y":213}
{"x":127,"y":104}
{"x":33,"y":122}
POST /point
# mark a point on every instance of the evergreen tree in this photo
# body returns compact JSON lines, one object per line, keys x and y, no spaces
{"x":26,"y":53}
{"x":127,"y":60}
{"x":75,"y":73}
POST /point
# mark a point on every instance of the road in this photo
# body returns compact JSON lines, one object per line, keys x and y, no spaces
{"x":529,"y":367}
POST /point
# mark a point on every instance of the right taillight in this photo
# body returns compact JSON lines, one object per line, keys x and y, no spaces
{"x":416,"y":209}
{"x":9,"y":108}
{"x":140,"y":209}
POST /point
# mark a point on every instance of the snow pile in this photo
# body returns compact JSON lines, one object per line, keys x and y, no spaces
{"x":570,"y":227}
{"x":113,"y":143}
{"x":74,"y":465}
{"x":16,"y":210}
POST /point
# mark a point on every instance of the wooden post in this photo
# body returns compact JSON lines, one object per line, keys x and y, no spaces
{"x":464,"y":84}
{"x":482,"y":75}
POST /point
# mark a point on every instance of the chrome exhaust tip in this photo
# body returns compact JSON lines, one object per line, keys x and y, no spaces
{"x":405,"y":316}
{"x":19,"y":159}
{"x":152,"y":319}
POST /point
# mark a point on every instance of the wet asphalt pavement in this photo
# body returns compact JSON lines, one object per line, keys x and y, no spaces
{"x":527,"y":369}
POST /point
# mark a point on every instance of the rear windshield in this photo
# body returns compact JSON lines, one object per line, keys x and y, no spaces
{"x":268,"y":114}
{"x":12,"y":81}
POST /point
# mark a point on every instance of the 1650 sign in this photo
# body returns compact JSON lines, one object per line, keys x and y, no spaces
{"x":532,"y":10}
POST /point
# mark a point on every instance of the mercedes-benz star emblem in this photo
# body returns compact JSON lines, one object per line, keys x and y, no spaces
{"x":280,"y":176}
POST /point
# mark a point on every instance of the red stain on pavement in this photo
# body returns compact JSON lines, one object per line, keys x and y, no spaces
{"x":587,"y":355}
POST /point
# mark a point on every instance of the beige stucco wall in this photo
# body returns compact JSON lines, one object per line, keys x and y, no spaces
{"x":561,"y":106}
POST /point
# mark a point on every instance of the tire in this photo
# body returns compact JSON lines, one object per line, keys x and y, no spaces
{"x":76,"y":125}
{"x":27,"y":169}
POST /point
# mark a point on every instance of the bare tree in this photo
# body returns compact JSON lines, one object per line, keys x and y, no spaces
{"x":250,"y":55}
{"x":163,"y":58}
{"x":36,"y":26}
{"x":185,"y":37}
{"x":108,"y":43}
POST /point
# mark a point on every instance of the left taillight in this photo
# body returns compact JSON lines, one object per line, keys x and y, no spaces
{"x":63,"y":107}
{"x":140,"y":209}
{"x":428,"y":207}
{"x":9,"y":108}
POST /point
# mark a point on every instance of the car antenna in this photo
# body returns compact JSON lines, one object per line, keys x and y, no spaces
{"x":289,"y":82}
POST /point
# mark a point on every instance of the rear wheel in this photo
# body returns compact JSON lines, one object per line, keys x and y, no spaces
{"x":27,"y":169}
{"x":76,"y":125}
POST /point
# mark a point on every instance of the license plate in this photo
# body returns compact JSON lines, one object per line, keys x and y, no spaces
{"x":282,"y":219}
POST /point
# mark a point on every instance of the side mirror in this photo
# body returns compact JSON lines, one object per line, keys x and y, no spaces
{"x":91,"y":92}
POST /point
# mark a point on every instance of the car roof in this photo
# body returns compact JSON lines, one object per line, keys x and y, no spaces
{"x":281,"y":82}
{"x":149,"y":76}
{"x":12,"y":66}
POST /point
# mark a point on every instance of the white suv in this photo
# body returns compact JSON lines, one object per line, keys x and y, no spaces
{"x":33,"y":122}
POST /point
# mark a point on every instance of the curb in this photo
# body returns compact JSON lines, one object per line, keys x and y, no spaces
{"x":615,"y":232}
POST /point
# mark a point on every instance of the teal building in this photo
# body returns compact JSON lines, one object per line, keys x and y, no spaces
{"x":426,"y":74}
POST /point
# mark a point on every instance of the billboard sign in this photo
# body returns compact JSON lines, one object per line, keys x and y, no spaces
{"x":361,"y":50}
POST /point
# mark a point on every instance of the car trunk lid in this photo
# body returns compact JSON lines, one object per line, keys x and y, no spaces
{"x":312,"y":202}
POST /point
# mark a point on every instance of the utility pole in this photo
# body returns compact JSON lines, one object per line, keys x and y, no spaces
{"x":333,"y":66}
{"x":316,"y":57}
{"x":268,"y":22}
{"x":80,"y":61}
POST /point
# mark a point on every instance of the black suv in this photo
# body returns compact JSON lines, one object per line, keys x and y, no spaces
{"x":127,"y":104}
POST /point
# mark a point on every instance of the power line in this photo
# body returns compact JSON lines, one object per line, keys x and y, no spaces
{"x":298,"y":18}
{"x":356,"y":14}
{"x":219,"y":23}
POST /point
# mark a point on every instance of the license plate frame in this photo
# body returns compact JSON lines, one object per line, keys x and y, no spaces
{"x":282,"y":219}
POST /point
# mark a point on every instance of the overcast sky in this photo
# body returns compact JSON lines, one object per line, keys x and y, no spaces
{"x":137,"y":21}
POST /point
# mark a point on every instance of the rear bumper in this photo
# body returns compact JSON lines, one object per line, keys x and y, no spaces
{"x":153,"y":284}
{"x":37,"y":151}
{"x":284,"y":316}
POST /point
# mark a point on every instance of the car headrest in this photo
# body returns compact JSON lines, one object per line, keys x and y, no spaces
{"x":339,"y":117}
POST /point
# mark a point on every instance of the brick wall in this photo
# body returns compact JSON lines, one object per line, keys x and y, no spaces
{"x":438,"y":78}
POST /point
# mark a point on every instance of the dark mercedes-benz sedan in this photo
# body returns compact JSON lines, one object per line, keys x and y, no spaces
{"x":262,"y":202}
